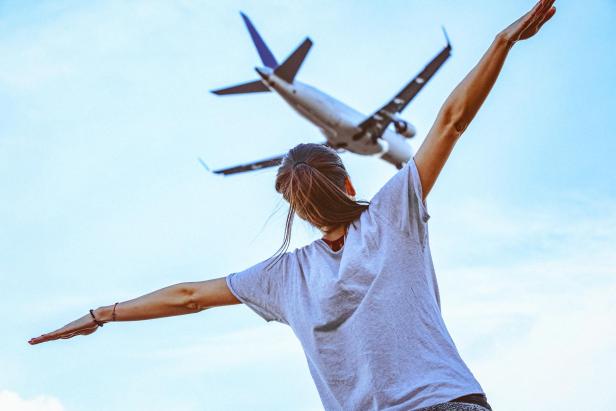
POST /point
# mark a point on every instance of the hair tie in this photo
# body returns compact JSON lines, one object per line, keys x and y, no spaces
{"x":300,"y":162}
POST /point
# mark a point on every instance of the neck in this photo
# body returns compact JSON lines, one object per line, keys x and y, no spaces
{"x":334,"y":234}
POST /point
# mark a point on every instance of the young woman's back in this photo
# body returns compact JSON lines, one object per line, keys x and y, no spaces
{"x":368,"y":316}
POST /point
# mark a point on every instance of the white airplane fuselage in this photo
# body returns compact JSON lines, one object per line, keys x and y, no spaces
{"x":336,"y":120}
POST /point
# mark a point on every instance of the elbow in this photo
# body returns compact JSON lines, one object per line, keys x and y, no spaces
{"x":459,"y":127}
{"x":189,"y":298}
{"x":453,"y":122}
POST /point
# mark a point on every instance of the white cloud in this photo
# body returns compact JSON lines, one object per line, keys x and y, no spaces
{"x":243,"y":348}
{"x":11,"y":401}
{"x":565,"y":361}
{"x":533,"y":309}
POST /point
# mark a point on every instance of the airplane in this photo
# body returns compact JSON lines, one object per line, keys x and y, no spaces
{"x":344,"y":127}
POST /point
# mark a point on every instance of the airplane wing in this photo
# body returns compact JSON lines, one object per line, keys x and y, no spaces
{"x":376,"y":124}
{"x":257,"y":165}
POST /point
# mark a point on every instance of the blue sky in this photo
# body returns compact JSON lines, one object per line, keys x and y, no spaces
{"x":106,"y":107}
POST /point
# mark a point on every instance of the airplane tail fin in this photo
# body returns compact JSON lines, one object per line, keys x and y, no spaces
{"x":289,"y":68}
{"x":266,"y":55}
{"x":286,"y":71}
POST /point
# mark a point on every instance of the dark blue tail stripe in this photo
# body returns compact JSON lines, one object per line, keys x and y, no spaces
{"x":264,"y":52}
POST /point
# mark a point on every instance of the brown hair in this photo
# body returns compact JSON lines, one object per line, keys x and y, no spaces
{"x":311,"y":178}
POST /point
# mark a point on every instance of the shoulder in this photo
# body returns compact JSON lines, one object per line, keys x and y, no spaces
{"x":398,"y":205}
{"x":406,"y":177}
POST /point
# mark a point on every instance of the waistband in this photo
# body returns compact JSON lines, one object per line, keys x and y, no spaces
{"x":479,"y":399}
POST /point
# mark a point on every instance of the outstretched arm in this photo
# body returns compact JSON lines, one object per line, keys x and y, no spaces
{"x":177,"y":299}
{"x":463,"y":103}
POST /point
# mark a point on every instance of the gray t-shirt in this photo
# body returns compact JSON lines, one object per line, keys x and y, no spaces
{"x":368,"y":316}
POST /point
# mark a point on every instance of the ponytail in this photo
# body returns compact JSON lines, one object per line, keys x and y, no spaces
{"x":311,"y":178}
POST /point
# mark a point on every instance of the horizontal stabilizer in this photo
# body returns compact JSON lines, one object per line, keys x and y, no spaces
{"x":289,"y":68}
{"x":256,"y":86}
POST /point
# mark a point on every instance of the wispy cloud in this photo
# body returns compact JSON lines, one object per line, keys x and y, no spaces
{"x":243,"y":348}
{"x":565,"y":359}
{"x":533,"y":310}
{"x":12,"y":401}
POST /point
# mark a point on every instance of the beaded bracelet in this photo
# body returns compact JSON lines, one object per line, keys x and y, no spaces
{"x":99,"y":323}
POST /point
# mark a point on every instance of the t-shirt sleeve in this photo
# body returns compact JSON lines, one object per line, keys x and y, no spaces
{"x":262,"y":289}
{"x":400,"y":202}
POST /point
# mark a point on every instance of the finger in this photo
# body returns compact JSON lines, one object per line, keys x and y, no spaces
{"x":538,"y":14}
{"x":84,"y":331}
{"x":51,"y":336}
{"x":67,"y":336}
{"x":533,"y":15}
{"x":54,"y":335}
{"x":40,"y":339}
{"x":537,"y":7}
{"x":544,"y":16}
{"x":70,"y":333}
{"x":536,"y":20}
{"x":548,"y":16}
{"x":35,"y":340}
{"x":48,"y":337}
{"x":546,"y":8}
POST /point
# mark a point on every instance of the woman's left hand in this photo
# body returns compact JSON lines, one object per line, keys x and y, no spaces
{"x":529,"y":24}
{"x":82,"y":326}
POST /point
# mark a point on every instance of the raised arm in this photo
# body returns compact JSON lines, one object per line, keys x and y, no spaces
{"x":463,"y":103}
{"x":177,"y":299}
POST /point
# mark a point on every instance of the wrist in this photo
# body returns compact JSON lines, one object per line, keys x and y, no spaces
{"x":103,"y":314}
{"x":504,"y":39}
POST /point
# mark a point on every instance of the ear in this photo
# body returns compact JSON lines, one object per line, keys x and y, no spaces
{"x":349,"y":186}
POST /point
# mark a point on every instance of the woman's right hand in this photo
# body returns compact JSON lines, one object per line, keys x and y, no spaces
{"x":529,"y":24}
{"x":81,"y":326}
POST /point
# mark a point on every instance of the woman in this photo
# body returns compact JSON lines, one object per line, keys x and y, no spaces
{"x":363,"y":300}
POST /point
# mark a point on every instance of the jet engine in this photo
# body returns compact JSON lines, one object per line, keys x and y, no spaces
{"x":404,"y":128}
